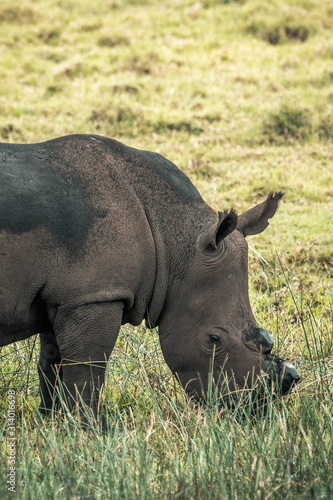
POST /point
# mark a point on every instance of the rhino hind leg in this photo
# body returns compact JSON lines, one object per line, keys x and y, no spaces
{"x":86,"y":336}
{"x":49,"y":371}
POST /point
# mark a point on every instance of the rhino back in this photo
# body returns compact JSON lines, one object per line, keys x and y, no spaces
{"x":68,"y":184}
{"x":171,"y":202}
{"x":35,"y":192}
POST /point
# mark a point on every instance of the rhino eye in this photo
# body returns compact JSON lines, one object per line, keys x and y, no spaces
{"x":215,"y":339}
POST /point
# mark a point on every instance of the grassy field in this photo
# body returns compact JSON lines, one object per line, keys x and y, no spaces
{"x":239,"y":94}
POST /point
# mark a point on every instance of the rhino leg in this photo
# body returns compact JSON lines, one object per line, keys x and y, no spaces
{"x":86,"y":336}
{"x":49,"y":371}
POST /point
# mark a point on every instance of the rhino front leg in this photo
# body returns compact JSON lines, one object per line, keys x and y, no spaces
{"x":86,"y":336}
{"x":49,"y":371}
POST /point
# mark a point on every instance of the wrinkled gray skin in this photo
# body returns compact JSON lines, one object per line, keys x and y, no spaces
{"x":94,"y":234}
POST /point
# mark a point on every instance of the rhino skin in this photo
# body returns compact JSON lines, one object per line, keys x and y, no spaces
{"x":95,"y":234}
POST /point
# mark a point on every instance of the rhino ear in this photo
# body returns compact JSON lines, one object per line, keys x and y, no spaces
{"x":255,"y":220}
{"x":209,"y":240}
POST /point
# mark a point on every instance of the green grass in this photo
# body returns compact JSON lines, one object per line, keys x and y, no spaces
{"x":239,"y":94}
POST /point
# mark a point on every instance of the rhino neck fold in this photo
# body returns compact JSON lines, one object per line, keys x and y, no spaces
{"x":160,"y":290}
{"x":174,"y":237}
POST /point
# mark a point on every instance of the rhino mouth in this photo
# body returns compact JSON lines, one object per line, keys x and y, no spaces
{"x":278,"y":379}
{"x":281,"y":377}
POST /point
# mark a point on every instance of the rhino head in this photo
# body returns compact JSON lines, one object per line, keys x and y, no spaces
{"x":208,"y":329}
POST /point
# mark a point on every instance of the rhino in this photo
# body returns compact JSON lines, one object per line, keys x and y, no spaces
{"x":95,"y":234}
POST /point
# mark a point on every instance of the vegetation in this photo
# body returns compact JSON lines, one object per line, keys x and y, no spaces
{"x":239,"y":94}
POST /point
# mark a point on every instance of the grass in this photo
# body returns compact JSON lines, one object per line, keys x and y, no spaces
{"x":239,"y":95}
